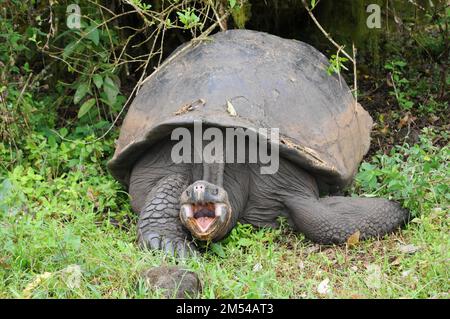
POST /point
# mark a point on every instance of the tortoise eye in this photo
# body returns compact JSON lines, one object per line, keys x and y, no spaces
{"x":214,"y":191}
{"x":188,"y":193}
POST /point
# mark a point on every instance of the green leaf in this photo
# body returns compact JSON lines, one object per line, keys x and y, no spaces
{"x":63,"y":132}
{"x":400,"y":63}
{"x":313,"y":4}
{"x":93,"y":34}
{"x":245,"y":242}
{"x":218,"y":250}
{"x":82,"y":89}
{"x":98,"y":80}
{"x":232,"y":3}
{"x":68,"y":50}
{"x":188,"y":18}
{"x":86,"y":107}
{"x":111,"y":90}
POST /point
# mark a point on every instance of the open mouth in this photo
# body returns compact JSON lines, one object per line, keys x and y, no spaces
{"x":203,"y":215}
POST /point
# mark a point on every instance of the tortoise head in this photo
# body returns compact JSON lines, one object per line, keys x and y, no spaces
{"x":205,"y":210}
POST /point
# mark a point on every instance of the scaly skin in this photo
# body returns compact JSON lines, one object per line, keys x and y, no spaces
{"x":254,"y":198}
{"x":159,"y":226}
{"x":333,"y":220}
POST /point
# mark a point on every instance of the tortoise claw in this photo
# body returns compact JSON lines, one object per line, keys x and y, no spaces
{"x":176,"y":247}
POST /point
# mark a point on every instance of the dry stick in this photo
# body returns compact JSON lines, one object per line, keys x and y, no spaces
{"x":338,"y":70}
{"x":51,"y":31}
{"x":414,"y":3}
{"x":122,"y":52}
{"x":355,"y":78}
{"x":327,"y":35}
{"x":145,"y":40}
{"x":207,"y":14}
{"x":339,"y":47}
{"x":110,"y":38}
{"x":161,"y":50}
{"x":152,"y":50}
{"x":217,"y":17}
{"x":140,"y":82}
{"x":100,"y":25}
{"x":135,"y":89}
{"x":189,"y":45}
{"x":139,"y":11}
{"x":20,"y":98}
{"x":395,"y":88}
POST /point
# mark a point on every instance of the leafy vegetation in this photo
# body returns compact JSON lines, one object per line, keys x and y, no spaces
{"x":66,"y":227}
{"x":67,"y":231}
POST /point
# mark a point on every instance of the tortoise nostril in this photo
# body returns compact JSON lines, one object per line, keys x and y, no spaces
{"x":199,"y":187}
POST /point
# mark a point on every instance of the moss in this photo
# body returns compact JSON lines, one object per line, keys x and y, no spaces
{"x":241,"y":14}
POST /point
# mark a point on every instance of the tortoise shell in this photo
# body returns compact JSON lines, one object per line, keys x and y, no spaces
{"x":270,"y":82}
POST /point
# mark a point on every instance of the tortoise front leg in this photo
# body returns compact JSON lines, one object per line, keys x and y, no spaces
{"x":332,"y":220}
{"x":159,"y":225}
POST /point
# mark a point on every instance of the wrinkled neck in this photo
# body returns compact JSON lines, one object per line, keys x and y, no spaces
{"x":237,"y":187}
{"x":213,"y":173}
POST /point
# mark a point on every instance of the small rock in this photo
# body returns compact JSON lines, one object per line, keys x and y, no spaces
{"x":174,"y":281}
{"x":408,"y":249}
{"x":257,"y":267}
{"x":72,"y":276}
{"x":324,"y":287}
{"x":406,"y":273}
{"x":373,"y":279}
{"x":312,"y":249}
{"x":396,"y":262}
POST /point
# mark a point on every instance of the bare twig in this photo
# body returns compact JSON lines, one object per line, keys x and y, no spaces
{"x":326,"y":34}
{"x":203,"y":36}
{"x":155,"y":24}
{"x":355,"y":75}
{"x":19,"y":99}
{"x":395,"y":88}
{"x":340,"y":48}
{"x":141,"y":81}
{"x":414,"y":3}
{"x":222,"y":25}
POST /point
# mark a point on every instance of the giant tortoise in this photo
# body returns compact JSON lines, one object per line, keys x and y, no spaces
{"x":247,"y":81}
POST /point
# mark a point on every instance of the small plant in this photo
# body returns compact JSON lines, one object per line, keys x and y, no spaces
{"x":142,"y":6}
{"x":188,"y":18}
{"x":336,"y":64}
{"x":432,"y":106}
{"x":416,"y":175}
{"x":402,"y":90}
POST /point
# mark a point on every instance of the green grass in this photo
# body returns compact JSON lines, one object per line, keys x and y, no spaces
{"x":67,"y":231}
